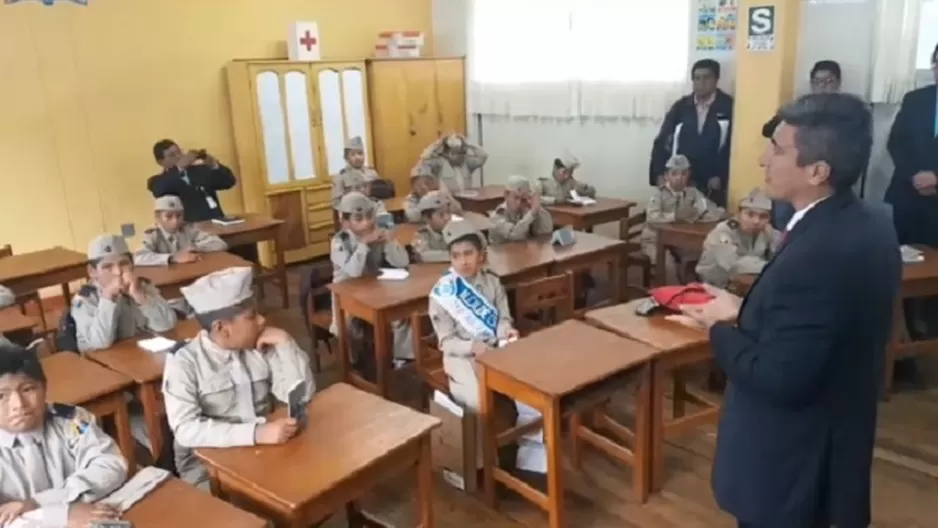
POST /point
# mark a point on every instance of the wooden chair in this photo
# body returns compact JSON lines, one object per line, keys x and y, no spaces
{"x":317,"y":316}
{"x":631,"y":232}
{"x":42,"y":329}
{"x":428,"y":358}
{"x":544,"y":302}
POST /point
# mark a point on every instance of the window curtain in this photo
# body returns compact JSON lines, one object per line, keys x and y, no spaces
{"x":895,"y":46}
{"x":577,"y":58}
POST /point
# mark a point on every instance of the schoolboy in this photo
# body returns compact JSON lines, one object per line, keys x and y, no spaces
{"x":521,"y":215}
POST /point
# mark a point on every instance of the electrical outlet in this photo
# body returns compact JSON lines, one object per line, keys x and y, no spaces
{"x":128,"y":230}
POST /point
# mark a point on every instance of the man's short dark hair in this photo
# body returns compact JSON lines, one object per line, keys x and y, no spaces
{"x":834,"y":128}
{"x":207,"y":319}
{"x":828,"y":66}
{"x":706,"y":64}
{"x":15,"y":359}
{"x":160,"y":148}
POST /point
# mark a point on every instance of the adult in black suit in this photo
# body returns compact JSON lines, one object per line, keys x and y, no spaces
{"x":195,"y":177}
{"x":803,"y":353}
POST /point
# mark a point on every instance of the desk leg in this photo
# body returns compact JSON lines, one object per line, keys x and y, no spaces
{"x":125,"y":437}
{"x":615,"y":278}
{"x":384,"y":342}
{"x":425,"y":484}
{"x":343,"y":341}
{"x":661,"y":268}
{"x":641,"y":471}
{"x":281,"y":245}
{"x":657,"y":427}
{"x":151,"y":415}
{"x":489,"y":447}
{"x":552,"y":434}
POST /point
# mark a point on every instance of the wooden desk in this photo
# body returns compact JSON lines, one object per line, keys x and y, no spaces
{"x":678,"y":235}
{"x":517,"y":262}
{"x":29,"y":272}
{"x":12,"y":321}
{"x":591,"y":250}
{"x":146,"y":370}
{"x":404,"y":233}
{"x":677,"y":346}
{"x":380,"y":302}
{"x":169,"y":279}
{"x":175,"y":503}
{"x":585,"y":217}
{"x":565,"y":370}
{"x":396,"y":205}
{"x":355,"y":441}
{"x":77,"y":381}
{"x":255,"y":229}
{"x":482,"y":199}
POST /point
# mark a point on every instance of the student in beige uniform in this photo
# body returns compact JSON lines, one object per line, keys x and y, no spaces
{"x":345,"y":181}
{"x":423,"y":181}
{"x":521,"y":215}
{"x":172,"y":240}
{"x":428,"y":243}
{"x":362,"y":248}
{"x":454,"y":161}
{"x":53,"y":457}
{"x":116,"y":304}
{"x":675,"y":201}
{"x":219,"y":387}
{"x":741,"y":245}
{"x":558,"y":187}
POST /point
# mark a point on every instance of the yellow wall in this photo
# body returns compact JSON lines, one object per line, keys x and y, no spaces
{"x":764,"y":80}
{"x":86,"y":91}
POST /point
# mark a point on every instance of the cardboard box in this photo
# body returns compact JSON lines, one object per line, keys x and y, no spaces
{"x":455,"y":448}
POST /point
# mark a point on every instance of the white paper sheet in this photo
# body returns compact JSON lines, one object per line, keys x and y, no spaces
{"x":581,"y":200}
{"x":454,"y":218}
{"x":393,"y":274}
{"x":156,"y":344}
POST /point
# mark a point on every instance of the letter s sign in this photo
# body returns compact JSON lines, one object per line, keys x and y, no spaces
{"x":762,"y":20}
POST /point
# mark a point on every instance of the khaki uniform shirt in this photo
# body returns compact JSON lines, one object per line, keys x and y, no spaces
{"x":7,"y":297}
{"x":430,"y":245}
{"x":455,"y":178}
{"x":158,"y":245}
{"x":216,"y":397}
{"x":340,"y":186}
{"x":552,"y":191}
{"x":100,"y":322}
{"x":666,"y":206}
{"x":728,"y":251}
{"x":412,"y":210}
{"x":514,"y":226}
{"x":71,"y":459}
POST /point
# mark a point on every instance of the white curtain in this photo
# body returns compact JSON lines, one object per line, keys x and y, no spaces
{"x":896,"y":43}
{"x":577,"y":58}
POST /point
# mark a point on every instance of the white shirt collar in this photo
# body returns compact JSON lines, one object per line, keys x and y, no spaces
{"x":795,"y":218}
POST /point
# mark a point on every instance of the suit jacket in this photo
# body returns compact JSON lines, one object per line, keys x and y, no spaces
{"x":804,"y":364}
{"x":199,"y":194}
{"x":708,"y":151}
{"x":913,"y":147}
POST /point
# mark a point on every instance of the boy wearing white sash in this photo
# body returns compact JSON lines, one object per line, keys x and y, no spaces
{"x":469,"y":311}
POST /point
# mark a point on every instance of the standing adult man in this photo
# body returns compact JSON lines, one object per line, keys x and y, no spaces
{"x":699,"y":127}
{"x":195,"y":177}
{"x":804,"y":352}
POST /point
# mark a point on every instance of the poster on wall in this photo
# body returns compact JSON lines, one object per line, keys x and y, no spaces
{"x":716,"y":25}
{"x":760,"y":34}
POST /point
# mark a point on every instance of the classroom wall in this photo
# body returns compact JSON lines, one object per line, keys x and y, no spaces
{"x":615,"y":153}
{"x":87,"y":90}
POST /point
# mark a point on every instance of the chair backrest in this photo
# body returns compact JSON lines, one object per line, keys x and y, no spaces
{"x":6,"y":250}
{"x":632,"y":228}
{"x":544,"y":302}
{"x":427,"y":356}
{"x":66,"y":337}
{"x":315,"y":296}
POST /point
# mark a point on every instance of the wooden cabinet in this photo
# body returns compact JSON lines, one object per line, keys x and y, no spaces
{"x":290,"y":122}
{"x":413,"y":102}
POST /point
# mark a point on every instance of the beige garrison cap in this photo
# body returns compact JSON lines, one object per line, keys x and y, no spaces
{"x":432,"y":201}
{"x":457,"y":229}
{"x":678,"y":162}
{"x":569,"y":161}
{"x":518,"y":184}
{"x":168,"y":203}
{"x":756,"y":200}
{"x":220,"y":290}
{"x":356,"y":202}
{"x":106,"y":246}
{"x":355,"y":143}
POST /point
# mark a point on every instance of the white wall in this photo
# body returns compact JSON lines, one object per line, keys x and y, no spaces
{"x":615,"y":153}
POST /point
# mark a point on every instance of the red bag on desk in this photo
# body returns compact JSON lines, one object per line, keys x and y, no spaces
{"x":672,"y":297}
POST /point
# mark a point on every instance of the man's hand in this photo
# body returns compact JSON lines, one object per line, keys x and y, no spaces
{"x":381,"y":236}
{"x":714,"y":183}
{"x":535,"y":200}
{"x":113,"y":288}
{"x":371,"y":237}
{"x":184,"y":257}
{"x":211,"y":161}
{"x":276,"y":432}
{"x":82,"y":515}
{"x":132,"y":287}
{"x":188,"y":158}
{"x":272,"y":337}
{"x":723,"y":308}
{"x":925,"y":180}
{"x":512,"y":334}
{"x":12,"y":510}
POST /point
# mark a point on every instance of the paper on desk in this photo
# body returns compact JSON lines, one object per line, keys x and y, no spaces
{"x":47,"y":517}
{"x":393,"y":274}
{"x":911,"y":255}
{"x":581,"y":200}
{"x":467,"y":194}
{"x":454,"y":218}
{"x":156,"y":344}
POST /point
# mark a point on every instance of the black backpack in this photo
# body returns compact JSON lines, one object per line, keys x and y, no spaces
{"x":382,"y":189}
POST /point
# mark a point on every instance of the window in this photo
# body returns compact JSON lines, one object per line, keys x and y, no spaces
{"x":927,"y":34}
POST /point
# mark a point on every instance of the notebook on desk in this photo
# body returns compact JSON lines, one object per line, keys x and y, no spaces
{"x":228,"y":220}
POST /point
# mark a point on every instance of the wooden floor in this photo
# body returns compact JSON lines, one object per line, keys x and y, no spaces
{"x":905,"y":479}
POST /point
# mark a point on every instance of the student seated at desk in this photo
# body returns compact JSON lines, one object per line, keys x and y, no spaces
{"x":355,"y":175}
{"x":740,"y":245}
{"x":520,"y":216}
{"x":362,"y":248}
{"x":453,"y":160}
{"x":356,"y":183}
{"x":116,"y":304}
{"x":7,"y":297}
{"x":557,"y":188}
{"x":675,"y":201}
{"x":53,"y":457}
{"x":457,"y":299}
{"x":429,"y":244}
{"x":173,"y":241}
{"x":218,"y":386}
{"x":423,"y":181}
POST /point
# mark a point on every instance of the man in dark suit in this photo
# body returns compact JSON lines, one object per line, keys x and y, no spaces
{"x":195,"y":177}
{"x":803,"y":353}
{"x":698,"y":126}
